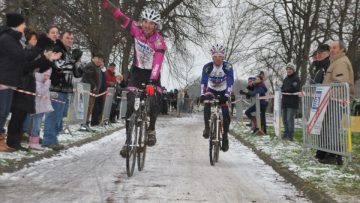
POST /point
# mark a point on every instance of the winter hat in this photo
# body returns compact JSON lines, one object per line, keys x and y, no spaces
{"x":291,"y":66}
{"x":14,"y":19}
{"x":323,"y":48}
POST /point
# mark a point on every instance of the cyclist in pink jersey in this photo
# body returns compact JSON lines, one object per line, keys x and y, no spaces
{"x":149,"y":51}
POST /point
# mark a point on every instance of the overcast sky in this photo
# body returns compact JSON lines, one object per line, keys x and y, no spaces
{"x":202,"y":56}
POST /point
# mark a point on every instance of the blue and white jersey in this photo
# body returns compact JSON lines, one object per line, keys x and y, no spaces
{"x":217,"y":78}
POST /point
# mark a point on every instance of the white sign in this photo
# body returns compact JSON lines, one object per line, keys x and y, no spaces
{"x":318,"y":109}
{"x":277,"y":112}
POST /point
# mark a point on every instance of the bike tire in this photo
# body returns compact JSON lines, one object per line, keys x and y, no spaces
{"x":212,"y":138}
{"x":217,"y":144}
{"x":131,"y":146}
{"x":142,"y":142}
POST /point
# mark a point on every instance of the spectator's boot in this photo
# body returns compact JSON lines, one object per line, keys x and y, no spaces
{"x":34,"y":143}
{"x":3,"y":145}
{"x":82,"y":127}
{"x":339,"y":160}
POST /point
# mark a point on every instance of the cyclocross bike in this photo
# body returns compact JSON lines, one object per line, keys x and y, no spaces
{"x":136,"y":136}
{"x":216,"y":131}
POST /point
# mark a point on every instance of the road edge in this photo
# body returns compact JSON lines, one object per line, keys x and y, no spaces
{"x":300,"y":184}
{"x":27,"y":161}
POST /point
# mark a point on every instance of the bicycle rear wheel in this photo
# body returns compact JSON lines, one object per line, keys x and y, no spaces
{"x":212,"y":140}
{"x":131,"y":143}
{"x":142,"y":143}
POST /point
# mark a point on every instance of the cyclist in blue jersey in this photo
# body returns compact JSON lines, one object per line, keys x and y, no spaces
{"x":217,"y":80}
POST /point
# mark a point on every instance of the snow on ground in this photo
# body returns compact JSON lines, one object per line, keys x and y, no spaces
{"x":64,"y":138}
{"x":177,"y":169}
{"x":328,"y":178}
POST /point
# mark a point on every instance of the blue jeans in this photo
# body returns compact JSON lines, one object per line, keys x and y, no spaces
{"x":6,"y":97}
{"x":66,"y":108}
{"x":36,"y":123}
{"x":252,"y":109}
{"x":53,"y":121}
{"x":288,"y":116}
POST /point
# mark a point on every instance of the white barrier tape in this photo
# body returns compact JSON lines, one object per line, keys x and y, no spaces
{"x":32,"y":93}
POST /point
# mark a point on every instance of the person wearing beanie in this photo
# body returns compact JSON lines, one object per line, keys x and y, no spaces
{"x":321,"y":64}
{"x":15,"y":62}
{"x":12,"y":61}
{"x":289,"y":103}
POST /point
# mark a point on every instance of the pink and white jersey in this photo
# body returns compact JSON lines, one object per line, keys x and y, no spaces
{"x":149,"y":51}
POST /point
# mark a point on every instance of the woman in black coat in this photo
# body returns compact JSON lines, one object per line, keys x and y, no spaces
{"x":24,"y":104}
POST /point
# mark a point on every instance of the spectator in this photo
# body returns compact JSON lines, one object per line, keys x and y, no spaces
{"x":164,"y":101}
{"x":120,"y":84}
{"x":250,"y":87}
{"x":24,"y":104}
{"x":174,"y":99}
{"x":321,"y":62}
{"x":265,"y":80}
{"x":96,"y":115}
{"x":289,"y":103}
{"x":12,"y":60}
{"x":92,"y":76}
{"x":258,"y":88}
{"x":42,"y":104}
{"x":339,"y":71}
{"x":67,"y":67}
{"x":187,"y":102}
{"x":111,"y":82}
{"x":110,"y":75}
{"x":171,"y":97}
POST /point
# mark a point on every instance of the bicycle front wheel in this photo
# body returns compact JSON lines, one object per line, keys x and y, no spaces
{"x":218,"y":142}
{"x":142,"y":142}
{"x":131,"y":143}
{"x":212,"y":140}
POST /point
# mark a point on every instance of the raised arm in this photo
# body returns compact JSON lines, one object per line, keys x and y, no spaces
{"x":159,"y":54}
{"x":116,"y":13}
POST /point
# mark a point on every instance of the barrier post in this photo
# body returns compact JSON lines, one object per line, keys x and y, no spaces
{"x":123,"y":105}
{"x":78,"y":106}
{"x":109,"y":98}
{"x":258,"y":118}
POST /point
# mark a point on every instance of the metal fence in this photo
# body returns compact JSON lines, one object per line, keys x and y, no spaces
{"x":326,"y":120}
{"x":109,"y":98}
{"x":78,"y":107}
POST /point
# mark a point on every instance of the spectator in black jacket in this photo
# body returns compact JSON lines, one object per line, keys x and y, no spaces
{"x":321,"y":64}
{"x":289,"y":103}
{"x":65,"y":69}
{"x":92,"y":76}
{"x":14,"y":59}
{"x":24,"y":104}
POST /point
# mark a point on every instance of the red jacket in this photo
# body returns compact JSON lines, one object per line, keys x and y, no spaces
{"x":110,"y":78}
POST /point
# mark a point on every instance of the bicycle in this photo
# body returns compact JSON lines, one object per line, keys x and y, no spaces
{"x":136,"y":136}
{"x":216,"y":131}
